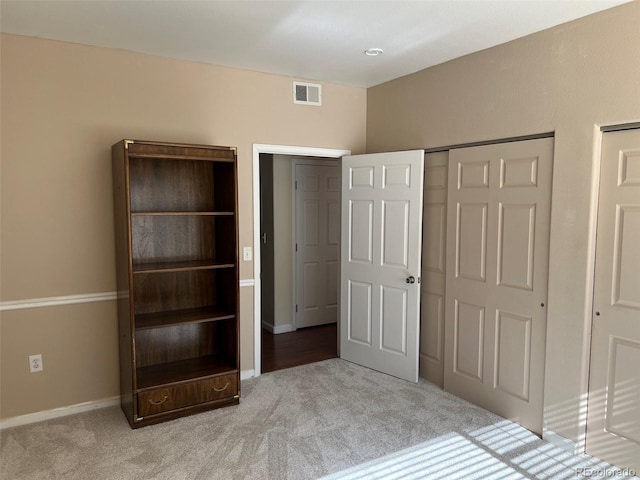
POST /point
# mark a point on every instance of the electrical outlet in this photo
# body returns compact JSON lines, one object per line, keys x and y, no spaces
{"x":246,"y":254}
{"x":35,"y":363}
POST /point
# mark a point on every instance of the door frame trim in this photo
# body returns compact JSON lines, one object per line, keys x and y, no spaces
{"x":259,"y":148}
{"x":481,"y":143}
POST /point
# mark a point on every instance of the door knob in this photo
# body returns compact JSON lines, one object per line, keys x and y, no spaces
{"x":411,"y":279}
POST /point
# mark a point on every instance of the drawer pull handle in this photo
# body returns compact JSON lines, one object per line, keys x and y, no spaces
{"x":159,"y":402}
{"x":221,"y":389}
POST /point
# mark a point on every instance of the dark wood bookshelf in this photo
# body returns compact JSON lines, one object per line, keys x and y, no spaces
{"x":177,"y":278}
{"x":180,"y":214}
{"x":179,"y":266}
{"x":167,"y":374}
{"x":181,"y":317}
{"x":175,"y":157}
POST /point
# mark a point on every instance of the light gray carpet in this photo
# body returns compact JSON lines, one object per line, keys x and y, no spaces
{"x":301,"y":423}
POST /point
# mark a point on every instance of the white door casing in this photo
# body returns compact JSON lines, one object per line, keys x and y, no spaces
{"x":317,"y":210}
{"x":380,"y":257}
{"x":496,"y":276}
{"x":434,"y":237}
{"x":256,"y":281}
{"x":613,"y":418}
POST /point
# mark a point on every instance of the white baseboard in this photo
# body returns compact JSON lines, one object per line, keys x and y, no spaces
{"x":58,"y":412}
{"x":78,"y":408}
{"x":278,"y":329}
{"x":561,"y":442}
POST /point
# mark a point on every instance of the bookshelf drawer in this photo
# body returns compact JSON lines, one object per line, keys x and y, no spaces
{"x":188,"y":394}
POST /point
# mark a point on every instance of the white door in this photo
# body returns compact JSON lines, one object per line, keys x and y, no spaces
{"x":380,"y":261}
{"x":317,"y":213}
{"x":613,"y":419}
{"x":497,"y":271}
{"x":434,"y":237}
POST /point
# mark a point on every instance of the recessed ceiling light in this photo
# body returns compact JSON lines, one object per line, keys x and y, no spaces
{"x":373,"y":52}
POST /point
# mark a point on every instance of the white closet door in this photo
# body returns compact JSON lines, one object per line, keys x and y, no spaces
{"x":434,"y":238}
{"x":613,"y":421}
{"x":497,"y":271}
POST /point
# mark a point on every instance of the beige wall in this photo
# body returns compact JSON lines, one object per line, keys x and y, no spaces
{"x":63,"y":106}
{"x":568,"y":80}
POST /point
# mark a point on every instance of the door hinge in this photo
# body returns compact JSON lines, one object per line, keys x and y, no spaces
{"x":296,"y":308}
{"x":296,"y":247}
{"x":296,"y":184}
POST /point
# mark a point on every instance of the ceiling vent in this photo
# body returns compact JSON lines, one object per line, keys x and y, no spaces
{"x":307,"y":93}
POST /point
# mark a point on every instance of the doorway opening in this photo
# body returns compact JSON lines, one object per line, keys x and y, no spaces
{"x":305,"y":345}
{"x":279,"y":342}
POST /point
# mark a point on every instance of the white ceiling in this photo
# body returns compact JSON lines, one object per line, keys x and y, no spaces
{"x":315,"y":40}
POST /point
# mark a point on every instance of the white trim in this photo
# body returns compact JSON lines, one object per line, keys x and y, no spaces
{"x":561,"y":442}
{"x":55,"y":301}
{"x":275,"y":150}
{"x":78,"y":408}
{"x":74,"y":299}
{"x":294,"y":243}
{"x":59,"y":412}
{"x":283,"y":329}
{"x":278,"y":328}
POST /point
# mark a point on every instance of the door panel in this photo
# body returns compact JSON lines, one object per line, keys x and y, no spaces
{"x":432,"y":330}
{"x":623,"y":408}
{"x":473,"y":173}
{"x":468,"y":340}
{"x":433,"y":267}
{"x":395,"y":240}
{"x":516,"y":235}
{"x":613,"y":419}
{"x":471,"y":241}
{"x":333,"y":222}
{"x":311,"y":223}
{"x":435,"y":218}
{"x":626,"y":277}
{"x":359,"y":315}
{"x":381,"y":249}
{"x":317,"y":231}
{"x":394,"y":320}
{"x":361,"y":231}
{"x":513,"y":354}
{"x":497,"y":271}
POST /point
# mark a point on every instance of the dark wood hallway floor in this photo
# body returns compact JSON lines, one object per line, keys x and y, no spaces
{"x":306,"y":345}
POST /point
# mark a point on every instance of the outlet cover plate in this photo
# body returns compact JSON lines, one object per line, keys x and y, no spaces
{"x":35,"y":363}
